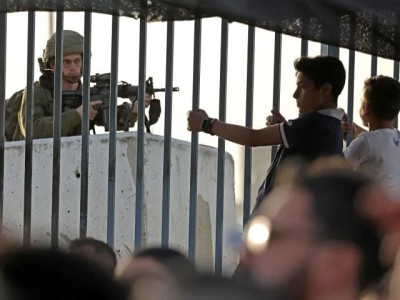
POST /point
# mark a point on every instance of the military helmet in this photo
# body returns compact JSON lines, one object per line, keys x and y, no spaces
{"x":73,"y":43}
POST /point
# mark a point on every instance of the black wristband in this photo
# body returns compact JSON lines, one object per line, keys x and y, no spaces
{"x":207,"y":124}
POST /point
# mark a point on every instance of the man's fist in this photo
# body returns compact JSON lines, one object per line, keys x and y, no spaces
{"x":195,"y":119}
{"x":275,"y":118}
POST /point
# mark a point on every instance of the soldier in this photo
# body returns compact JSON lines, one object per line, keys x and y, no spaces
{"x":43,"y":100}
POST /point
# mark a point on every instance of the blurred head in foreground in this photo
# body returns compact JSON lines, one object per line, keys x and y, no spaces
{"x":154,"y":273}
{"x":49,"y":274}
{"x":310,"y":241}
{"x":96,"y":251}
{"x":209,"y":287}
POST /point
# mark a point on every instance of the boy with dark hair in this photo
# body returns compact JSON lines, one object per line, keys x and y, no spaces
{"x":317,"y":132}
{"x":377,"y":152}
{"x":322,"y":69}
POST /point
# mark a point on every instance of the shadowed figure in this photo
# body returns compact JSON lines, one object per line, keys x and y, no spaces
{"x":44,"y":274}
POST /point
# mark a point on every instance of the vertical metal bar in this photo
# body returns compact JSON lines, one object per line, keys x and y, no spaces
{"x":304,"y":47}
{"x":194,"y":142}
{"x":3,"y":61}
{"x":221,"y":151}
{"x":324,"y":49}
{"x":277,"y":79}
{"x":85,"y":126}
{"x":374,"y":58}
{"x":396,"y":75}
{"x":29,"y":131}
{"x":249,"y":123}
{"x":55,"y":203}
{"x":350,"y":96}
{"x":396,"y":71}
{"x":350,"y":80}
{"x":140,"y":124}
{"x":304,"y":42}
{"x":333,"y":51}
{"x":374,"y":65}
{"x":113,"y":131}
{"x":167,"y":134}
{"x":329,"y":50}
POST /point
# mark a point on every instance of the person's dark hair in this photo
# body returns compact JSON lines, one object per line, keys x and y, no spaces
{"x":335,"y":194}
{"x":321,"y":70}
{"x":173,"y":260}
{"x":383,"y":94}
{"x":50,"y":274}
{"x":98,"y":245}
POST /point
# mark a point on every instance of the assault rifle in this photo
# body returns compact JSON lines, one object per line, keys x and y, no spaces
{"x":101,"y":91}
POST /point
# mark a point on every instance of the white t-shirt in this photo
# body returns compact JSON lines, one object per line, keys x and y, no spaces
{"x":377,"y":153}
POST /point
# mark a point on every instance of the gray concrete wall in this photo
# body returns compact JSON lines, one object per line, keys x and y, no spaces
{"x":125,"y":194}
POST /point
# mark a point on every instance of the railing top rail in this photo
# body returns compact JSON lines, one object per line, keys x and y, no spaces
{"x":367,"y":26}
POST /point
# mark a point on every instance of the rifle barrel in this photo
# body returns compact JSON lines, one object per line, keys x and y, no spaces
{"x":174,"y":89}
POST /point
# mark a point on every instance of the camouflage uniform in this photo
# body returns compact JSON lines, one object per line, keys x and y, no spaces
{"x":43,"y":115}
{"x":43,"y":99}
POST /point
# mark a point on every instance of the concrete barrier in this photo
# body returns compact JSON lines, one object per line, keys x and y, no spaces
{"x":125,"y":193}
